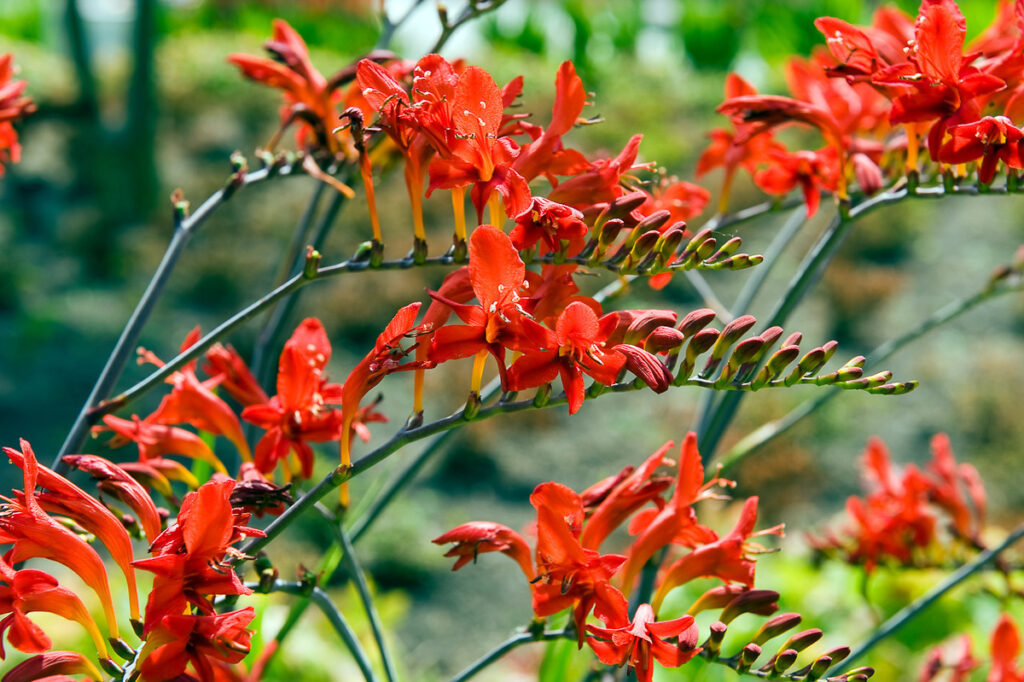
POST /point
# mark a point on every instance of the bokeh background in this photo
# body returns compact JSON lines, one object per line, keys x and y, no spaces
{"x":136,"y":100}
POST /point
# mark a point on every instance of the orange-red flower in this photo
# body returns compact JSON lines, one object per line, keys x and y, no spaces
{"x":193,"y":402}
{"x":989,"y":140}
{"x":726,"y":558}
{"x":13,"y":105}
{"x":548,"y":222}
{"x":224,"y":364}
{"x":188,"y":556}
{"x":299,"y":413}
{"x":53,"y":666}
{"x":25,"y":591}
{"x":156,"y":440}
{"x":812,"y":171}
{"x":203,"y":641}
{"x":1005,"y":646}
{"x":33,"y":533}
{"x":478,"y":537}
{"x":641,"y":642}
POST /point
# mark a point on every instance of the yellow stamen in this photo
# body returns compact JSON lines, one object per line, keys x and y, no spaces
{"x":346,"y":459}
{"x":494,"y":206}
{"x":414,"y":185}
{"x":723,"y":200}
{"x":478,"y":371}
{"x":371,"y":200}
{"x":912,"y":147}
{"x":459,"y":207}
{"x":422,"y":346}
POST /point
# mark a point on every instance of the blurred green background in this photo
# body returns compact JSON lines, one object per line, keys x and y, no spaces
{"x":136,"y":99}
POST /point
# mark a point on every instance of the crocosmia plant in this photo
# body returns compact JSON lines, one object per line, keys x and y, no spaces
{"x":215,"y":515}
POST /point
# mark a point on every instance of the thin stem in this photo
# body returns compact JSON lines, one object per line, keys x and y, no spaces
{"x":334,"y":617}
{"x":746,"y":296}
{"x":389,"y":27}
{"x":810,"y":270}
{"x":359,"y":578}
{"x":773,"y":429}
{"x":81,"y":58}
{"x":125,"y":346}
{"x":508,"y":645}
{"x":269,"y":337}
{"x":471,"y":11}
{"x":912,"y":610}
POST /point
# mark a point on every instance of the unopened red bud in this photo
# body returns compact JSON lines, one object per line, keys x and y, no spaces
{"x":793,"y":339}
{"x":867,"y":172}
{"x":695,"y":242}
{"x":716,"y":634}
{"x":819,"y":667}
{"x":783,"y":662}
{"x":663,"y":339}
{"x":802,"y":639}
{"x":654,"y":220}
{"x":776,"y":625}
{"x":644,"y":244}
{"x":838,"y":654}
{"x":626,"y":204}
{"x":830,"y":350}
{"x":809,"y":364}
{"x":748,"y":655}
{"x":771,"y":335}
{"x":695,"y":321}
{"x":859,"y":674}
{"x":699,"y":344}
{"x":669,"y":243}
{"x":894,"y":389}
{"x":746,"y":351}
{"x":732,"y":333}
{"x":760,"y":602}
{"x":610,"y":231}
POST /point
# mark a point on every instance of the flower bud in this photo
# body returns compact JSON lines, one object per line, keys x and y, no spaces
{"x":776,"y":625}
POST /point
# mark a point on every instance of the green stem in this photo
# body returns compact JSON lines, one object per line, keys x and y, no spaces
{"x":78,"y":44}
{"x":773,"y":429}
{"x":337,"y":621}
{"x":124,"y":349}
{"x":912,"y":610}
{"x":471,"y":11}
{"x":508,"y":645}
{"x":810,"y":270}
{"x":359,"y":579}
{"x":262,"y":367}
{"x":782,"y":239}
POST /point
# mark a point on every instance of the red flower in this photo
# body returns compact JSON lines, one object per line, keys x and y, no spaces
{"x":478,"y":537}
{"x":545,"y":154}
{"x":203,"y":641}
{"x":115,"y":481}
{"x":575,"y":348}
{"x":567,"y":574}
{"x":675,"y":522}
{"x":625,"y":494}
{"x":159,"y":440}
{"x":188,"y":556}
{"x":812,"y":171}
{"x":26,"y":591}
{"x":683,"y":200}
{"x":298,"y":414}
{"x":1005,"y":650}
{"x":477,"y":155}
{"x":308,"y":95}
{"x":548,"y":222}
{"x":12,"y":107}
{"x":601,"y":182}
{"x":224,"y":364}
{"x":53,"y":666}
{"x":497,"y":274}
{"x":641,"y":642}
{"x":193,"y":402}
{"x":34,"y":534}
{"x":989,"y":140}
{"x":937,"y":82}
{"x":725,"y":558}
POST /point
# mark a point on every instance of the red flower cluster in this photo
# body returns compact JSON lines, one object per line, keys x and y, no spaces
{"x":188,"y":560}
{"x":569,"y":570}
{"x":918,"y":73}
{"x":900,"y":518}
{"x":13,"y":106}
